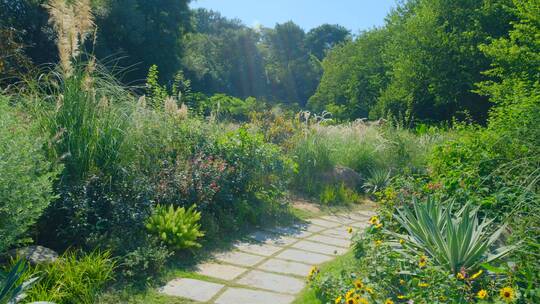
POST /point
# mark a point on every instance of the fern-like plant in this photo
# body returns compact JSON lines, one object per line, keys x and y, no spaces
{"x":456,"y":242}
{"x":178,"y":228}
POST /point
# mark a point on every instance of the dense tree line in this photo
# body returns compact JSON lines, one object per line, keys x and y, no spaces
{"x":423,"y":64}
{"x":431,"y":60}
{"x":218,"y":55}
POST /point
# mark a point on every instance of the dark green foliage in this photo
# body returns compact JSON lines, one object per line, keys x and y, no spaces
{"x":323,"y":38}
{"x":26,"y":182}
{"x":293,"y":75}
{"x":144,"y":32}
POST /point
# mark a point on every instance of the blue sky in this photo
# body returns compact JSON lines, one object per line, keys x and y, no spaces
{"x":355,"y":15}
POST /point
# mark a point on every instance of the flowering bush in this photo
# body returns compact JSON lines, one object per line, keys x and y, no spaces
{"x":384,"y":275}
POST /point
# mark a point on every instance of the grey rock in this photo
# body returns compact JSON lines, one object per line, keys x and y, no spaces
{"x":343,"y":175}
{"x":35,"y":254}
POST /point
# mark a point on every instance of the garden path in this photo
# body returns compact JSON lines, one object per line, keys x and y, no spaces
{"x":272,"y":267}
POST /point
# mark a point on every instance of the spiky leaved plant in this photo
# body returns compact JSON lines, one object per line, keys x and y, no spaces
{"x":456,"y":242}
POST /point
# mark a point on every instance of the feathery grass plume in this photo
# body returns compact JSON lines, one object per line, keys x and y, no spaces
{"x":183,"y":112}
{"x":73,"y":22}
{"x":170,"y":105}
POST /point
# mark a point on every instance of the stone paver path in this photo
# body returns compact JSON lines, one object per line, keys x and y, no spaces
{"x":272,"y":267}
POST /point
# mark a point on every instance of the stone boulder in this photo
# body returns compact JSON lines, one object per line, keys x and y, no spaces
{"x":35,"y":254}
{"x":343,"y":175}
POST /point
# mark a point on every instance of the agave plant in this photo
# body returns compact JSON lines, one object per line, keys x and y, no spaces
{"x":11,"y":290}
{"x":378,"y":180}
{"x":459,"y":242}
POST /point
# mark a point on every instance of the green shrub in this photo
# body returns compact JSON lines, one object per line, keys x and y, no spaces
{"x":338,"y":195}
{"x":143,"y":262}
{"x":176,"y":227}
{"x":26,"y":179}
{"x":73,"y":278}
{"x":457,"y":243}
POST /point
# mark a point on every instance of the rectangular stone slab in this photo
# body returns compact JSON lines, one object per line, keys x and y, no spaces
{"x":258,"y":249}
{"x":323,"y":223}
{"x":248,"y":296}
{"x":303,"y":256}
{"x":273,"y":282}
{"x":191,"y":289}
{"x":341,"y":219}
{"x":282,"y":241}
{"x":287,"y":267}
{"x":341,"y":233}
{"x":319,"y":248}
{"x":220,"y":271}
{"x":328,"y":240}
{"x":239,"y":258}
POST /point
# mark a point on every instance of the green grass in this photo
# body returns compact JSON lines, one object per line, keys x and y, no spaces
{"x":344,"y":262}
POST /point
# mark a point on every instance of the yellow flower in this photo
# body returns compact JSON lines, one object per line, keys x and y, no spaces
{"x":388,"y":301}
{"x":358,"y":284}
{"x":402,"y":282}
{"x":422,"y":284}
{"x":401,"y":241}
{"x":482,"y":294}
{"x":374,"y":220}
{"x":362,"y":301}
{"x":349,"y":230}
{"x":351,"y":301}
{"x":378,"y":226}
{"x":349,"y":293}
{"x":423,"y":261}
{"x":369,"y":290}
{"x":460,"y":276}
{"x":476,"y":275}
{"x":401,"y":297}
{"x":378,"y":243}
{"x":338,"y":300}
{"x":508,"y":294}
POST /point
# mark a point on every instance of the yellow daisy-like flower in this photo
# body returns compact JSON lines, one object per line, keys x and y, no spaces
{"x":422,"y":284}
{"x":349,"y":294}
{"x":482,"y":294}
{"x":401,"y":241}
{"x":374,"y":220}
{"x":423,"y":261}
{"x":378,"y":243}
{"x":460,"y":276}
{"x":358,"y":284}
{"x":388,"y":301}
{"x":362,"y":301}
{"x":401,"y":297}
{"x":369,"y":290}
{"x":476,"y":275}
{"x":338,"y":300}
{"x":349,"y":230}
{"x":379,"y":226}
{"x":402,"y":282}
{"x":508,"y":294}
{"x":351,"y":301}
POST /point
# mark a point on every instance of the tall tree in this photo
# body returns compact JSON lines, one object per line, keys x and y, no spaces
{"x":146,"y":32}
{"x":293,"y":75}
{"x":323,"y":38}
{"x":354,"y":75}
